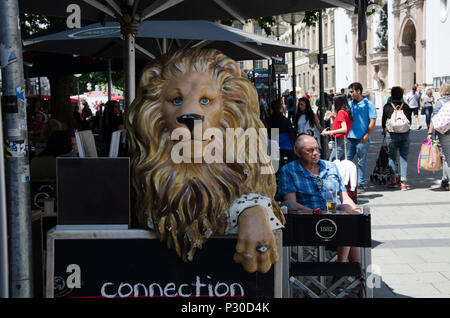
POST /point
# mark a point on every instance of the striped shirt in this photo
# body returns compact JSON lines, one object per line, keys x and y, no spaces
{"x":310,"y":190}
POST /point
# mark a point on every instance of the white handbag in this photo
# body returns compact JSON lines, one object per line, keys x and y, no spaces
{"x":441,"y":121}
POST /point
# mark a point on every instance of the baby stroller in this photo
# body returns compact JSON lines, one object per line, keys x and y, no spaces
{"x":382,"y":173}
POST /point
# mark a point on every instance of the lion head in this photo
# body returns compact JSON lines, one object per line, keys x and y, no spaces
{"x":188,"y":202}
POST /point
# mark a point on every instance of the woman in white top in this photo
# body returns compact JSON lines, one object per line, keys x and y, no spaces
{"x":306,"y":122}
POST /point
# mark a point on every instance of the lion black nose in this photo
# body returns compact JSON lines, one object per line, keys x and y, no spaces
{"x":189,"y":120}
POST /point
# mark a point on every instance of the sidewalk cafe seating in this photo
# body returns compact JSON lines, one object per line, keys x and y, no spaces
{"x":326,"y":230}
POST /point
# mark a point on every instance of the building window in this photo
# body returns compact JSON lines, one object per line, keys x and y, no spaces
{"x":313,"y":45}
{"x":444,"y":10}
{"x":326,"y":77}
{"x":304,"y":39}
{"x":333,"y":75}
{"x":332,"y":32}
{"x":257,"y":29}
{"x":325,"y":34}
{"x":238,"y":25}
{"x":308,"y":44}
{"x":259,"y":63}
{"x":241,"y":65}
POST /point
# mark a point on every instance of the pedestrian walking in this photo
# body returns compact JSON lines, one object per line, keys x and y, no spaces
{"x":413,"y":100}
{"x":306,"y":122}
{"x":364,"y":119}
{"x":397,"y":121}
{"x":290,"y":105}
{"x":444,"y":138}
{"x":286,"y":134}
{"x":427,"y":103}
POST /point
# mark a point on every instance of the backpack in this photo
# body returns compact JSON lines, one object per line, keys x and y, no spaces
{"x":398,"y":123}
{"x":441,"y":121}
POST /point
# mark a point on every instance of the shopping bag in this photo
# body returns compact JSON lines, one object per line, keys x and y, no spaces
{"x":429,"y":157}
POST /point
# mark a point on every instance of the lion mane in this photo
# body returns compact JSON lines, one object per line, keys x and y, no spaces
{"x":188,"y":202}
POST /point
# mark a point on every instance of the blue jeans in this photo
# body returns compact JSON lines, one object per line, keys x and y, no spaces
{"x":399,"y":142}
{"x":428,"y":111}
{"x":339,"y":146}
{"x":355,"y":146}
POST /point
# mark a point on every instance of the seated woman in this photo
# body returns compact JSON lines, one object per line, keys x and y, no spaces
{"x":305,"y":182}
{"x":43,"y":167}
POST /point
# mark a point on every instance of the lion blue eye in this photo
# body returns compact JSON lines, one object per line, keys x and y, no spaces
{"x":204,"y":101}
{"x":177,"y":101}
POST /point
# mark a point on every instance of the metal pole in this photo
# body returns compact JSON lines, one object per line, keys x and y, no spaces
{"x":253,"y":76}
{"x":293,"y":68}
{"x":164,"y":45}
{"x":269,"y":77}
{"x":278,"y":76}
{"x":323,"y":139}
{"x":109,"y":80}
{"x":4,"y":290}
{"x":39,"y":88}
{"x":17,"y":170}
{"x":130,"y":69}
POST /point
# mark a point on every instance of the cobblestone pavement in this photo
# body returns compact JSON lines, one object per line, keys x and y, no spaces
{"x":410,"y":229}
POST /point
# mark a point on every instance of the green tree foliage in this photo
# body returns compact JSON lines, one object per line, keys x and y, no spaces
{"x":96,"y":78}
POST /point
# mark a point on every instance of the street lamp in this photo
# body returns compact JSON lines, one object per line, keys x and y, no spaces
{"x":78,"y":87}
{"x":293,"y":19}
{"x":278,"y":31}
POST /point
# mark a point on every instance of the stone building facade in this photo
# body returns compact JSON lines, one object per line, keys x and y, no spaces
{"x":306,"y":64}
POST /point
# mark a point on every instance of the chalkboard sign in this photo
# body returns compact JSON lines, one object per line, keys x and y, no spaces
{"x":133,"y":263}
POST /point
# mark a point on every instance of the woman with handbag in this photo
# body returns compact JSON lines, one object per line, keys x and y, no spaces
{"x":397,"y":121}
{"x":441,"y":118}
{"x":341,"y":126}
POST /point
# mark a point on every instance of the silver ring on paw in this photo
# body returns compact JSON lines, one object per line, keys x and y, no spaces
{"x":262,"y":248}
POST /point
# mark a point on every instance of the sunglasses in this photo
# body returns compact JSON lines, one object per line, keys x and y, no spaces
{"x":319,"y":183}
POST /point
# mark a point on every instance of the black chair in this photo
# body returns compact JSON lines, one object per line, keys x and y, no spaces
{"x":327,"y":230}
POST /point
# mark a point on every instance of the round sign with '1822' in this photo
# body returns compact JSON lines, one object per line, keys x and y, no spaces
{"x":326,"y":229}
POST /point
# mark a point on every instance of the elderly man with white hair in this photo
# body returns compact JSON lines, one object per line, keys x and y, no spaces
{"x":304,"y":183}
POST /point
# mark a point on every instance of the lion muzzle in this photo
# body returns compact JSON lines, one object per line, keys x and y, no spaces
{"x":189,"y":120}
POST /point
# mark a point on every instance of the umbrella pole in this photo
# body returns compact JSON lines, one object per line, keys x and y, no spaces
{"x":130,"y":69}
{"x":323,"y":139}
{"x":109,"y":80}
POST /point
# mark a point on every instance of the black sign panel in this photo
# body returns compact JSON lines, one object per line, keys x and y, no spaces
{"x":146,"y":268}
{"x":327,"y":230}
{"x":93,"y":190}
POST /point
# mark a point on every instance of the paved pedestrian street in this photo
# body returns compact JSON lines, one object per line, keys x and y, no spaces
{"x":410,"y":229}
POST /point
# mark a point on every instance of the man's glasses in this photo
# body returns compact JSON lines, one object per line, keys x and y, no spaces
{"x":319,"y":183}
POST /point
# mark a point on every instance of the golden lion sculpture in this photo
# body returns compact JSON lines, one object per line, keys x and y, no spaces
{"x":186,"y":203}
